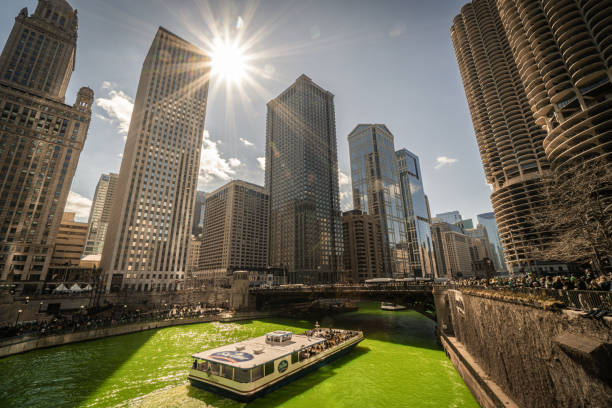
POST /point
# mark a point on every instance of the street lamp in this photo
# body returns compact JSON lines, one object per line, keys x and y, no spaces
{"x":18,"y":314}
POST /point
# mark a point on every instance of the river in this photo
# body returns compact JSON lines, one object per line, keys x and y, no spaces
{"x":400,"y":364}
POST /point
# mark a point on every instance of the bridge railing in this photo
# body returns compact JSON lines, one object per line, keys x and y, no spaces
{"x":584,"y":300}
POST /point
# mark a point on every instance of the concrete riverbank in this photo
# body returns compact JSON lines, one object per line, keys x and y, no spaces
{"x":24,"y":344}
{"x":521,"y":352}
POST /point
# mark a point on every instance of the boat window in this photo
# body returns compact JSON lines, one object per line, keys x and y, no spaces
{"x":202,"y":365}
{"x":227,"y":372}
{"x":214,"y":368}
{"x":242,"y":376}
{"x":294,"y":358}
{"x":257,"y":373}
{"x":269,"y":369}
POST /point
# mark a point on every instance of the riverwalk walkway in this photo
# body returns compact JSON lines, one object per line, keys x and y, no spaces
{"x":22,"y":344}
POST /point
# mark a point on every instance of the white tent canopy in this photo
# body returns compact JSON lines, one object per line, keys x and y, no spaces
{"x":61,"y":288}
{"x":76,"y":288}
{"x":87,"y":288}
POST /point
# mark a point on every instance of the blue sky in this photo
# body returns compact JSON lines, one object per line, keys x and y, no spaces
{"x":388,"y":62}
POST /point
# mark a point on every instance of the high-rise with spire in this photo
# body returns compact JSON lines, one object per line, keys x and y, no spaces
{"x":302,"y":180}
{"x":146,"y":245}
{"x":41,"y":138}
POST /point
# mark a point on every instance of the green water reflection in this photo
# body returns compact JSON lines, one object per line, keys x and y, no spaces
{"x":398,"y":365}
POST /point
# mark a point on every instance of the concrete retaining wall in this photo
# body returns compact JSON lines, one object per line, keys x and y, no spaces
{"x":22,"y":345}
{"x":537,"y":357}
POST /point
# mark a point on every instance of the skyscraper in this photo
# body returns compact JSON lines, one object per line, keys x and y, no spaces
{"x":41,"y":137}
{"x":146,"y":245}
{"x":451,"y":217}
{"x":488,"y":220}
{"x":100,"y":213}
{"x":198,"y":213}
{"x":363,"y":253}
{"x":418,"y":229}
{"x":563,"y":56}
{"x":236,"y":224}
{"x":377,"y":191}
{"x":69,"y":242}
{"x":509,"y":139}
{"x":302,"y":179}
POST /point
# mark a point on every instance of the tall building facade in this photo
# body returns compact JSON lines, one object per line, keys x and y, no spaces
{"x":363,"y":252}
{"x":146,"y":245}
{"x":377,"y":191}
{"x":488,"y":221}
{"x":438,"y":229}
{"x":302,"y":179}
{"x":70,"y":242}
{"x":236,"y":224}
{"x":416,"y":213}
{"x":509,"y":139}
{"x":451,"y":217}
{"x":100,"y":213}
{"x":563,"y":57}
{"x":41,"y":137}
{"x":198,"y":213}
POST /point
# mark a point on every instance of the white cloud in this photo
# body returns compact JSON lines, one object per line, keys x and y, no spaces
{"x":117,"y":107}
{"x":212,"y":165}
{"x":343,"y":179}
{"x":397,"y":30}
{"x":79,"y":205}
{"x":346,"y":200}
{"x":444,"y":161}
{"x":261,"y":161}
{"x":246,"y":142}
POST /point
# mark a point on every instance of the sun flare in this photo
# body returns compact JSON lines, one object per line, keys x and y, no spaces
{"x":228,"y":60}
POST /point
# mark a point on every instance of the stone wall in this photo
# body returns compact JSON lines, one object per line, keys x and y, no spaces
{"x":539,"y":357}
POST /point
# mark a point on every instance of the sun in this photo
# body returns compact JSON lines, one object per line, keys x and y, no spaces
{"x":228,"y":60}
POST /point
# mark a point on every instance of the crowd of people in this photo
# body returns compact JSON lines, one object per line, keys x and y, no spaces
{"x":586,"y":281}
{"x":86,"y":320}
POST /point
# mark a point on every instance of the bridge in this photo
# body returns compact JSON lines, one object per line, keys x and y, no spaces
{"x":400,"y":293}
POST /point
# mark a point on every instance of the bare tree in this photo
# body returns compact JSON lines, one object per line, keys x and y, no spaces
{"x":579,"y":214}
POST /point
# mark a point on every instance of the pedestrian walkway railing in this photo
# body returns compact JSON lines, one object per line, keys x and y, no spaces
{"x":585,"y":300}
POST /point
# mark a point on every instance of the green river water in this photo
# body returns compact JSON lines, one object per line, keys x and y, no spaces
{"x":399,"y":364}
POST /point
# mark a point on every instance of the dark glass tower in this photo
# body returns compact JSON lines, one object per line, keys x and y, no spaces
{"x":302,"y":179}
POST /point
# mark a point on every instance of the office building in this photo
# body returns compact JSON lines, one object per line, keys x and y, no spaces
{"x":509,"y":139}
{"x":99,"y":215}
{"x":458,"y":254}
{"x":438,"y":228}
{"x":236,"y":224}
{"x":302,"y":179}
{"x":146,"y":245}
{"x":377,"y":191}
{"x":69,"y":242}
{"x":488,"y":221}
{"x":198,"y":213}
{"x":193,"y":255}
{"x":466,"y":224}
{"x":451,"y":217}
{"x":421,"y":255}
{"x":363,"y":253}
{"x":41,"y":138}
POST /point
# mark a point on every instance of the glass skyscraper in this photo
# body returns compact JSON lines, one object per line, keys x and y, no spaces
{"x":418,"y":229}
{"x":302,"y":180}
{"x":488,"y":220}
{"x":377,"y":191}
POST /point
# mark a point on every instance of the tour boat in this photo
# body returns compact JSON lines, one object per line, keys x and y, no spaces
{"x":253,"y":367}
{"x":391,"y":306}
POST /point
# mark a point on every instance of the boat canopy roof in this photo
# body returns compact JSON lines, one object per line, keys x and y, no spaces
{"x":257,"y":351}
